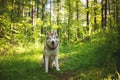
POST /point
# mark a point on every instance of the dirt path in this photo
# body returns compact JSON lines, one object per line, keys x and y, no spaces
{"x":69,"y":75}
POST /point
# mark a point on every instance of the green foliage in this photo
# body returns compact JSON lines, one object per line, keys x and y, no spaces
{"x":90,"y":60}
{"x":86,"y":52}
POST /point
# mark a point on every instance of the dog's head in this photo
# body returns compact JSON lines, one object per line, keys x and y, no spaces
{"x":52,"y":39}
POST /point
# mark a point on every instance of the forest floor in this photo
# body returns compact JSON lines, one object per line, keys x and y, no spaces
{"x":83,"y":61}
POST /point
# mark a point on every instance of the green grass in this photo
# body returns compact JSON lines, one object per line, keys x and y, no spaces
{"x":92,"y":60}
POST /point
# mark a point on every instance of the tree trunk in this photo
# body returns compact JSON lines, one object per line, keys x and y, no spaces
{"x":18,"y":12}
{"x":38,"y":2}
{"x":102,"y":10}
{"x":33,"y":23}
{"x":117,"y":12}
{"x":104,"y":13}
{"x":43,"y":10}
{"x":88,"y":17}
{"x":50,"y":15}
{"x":43,"y":15}
{"x":3,"y":3}
{"x":12,"y":10}
{"x":23,"y":11}
{"x":58,"y":7}
{"x":77,"y":12}
{"x":12,"y":19}
{"x":95,"y":15}
{"x":88,"y":13}
{"x":109,"y":11}
{"x":58,"y":12}
{"x":69,"y":17}
{"x":77,"y":15}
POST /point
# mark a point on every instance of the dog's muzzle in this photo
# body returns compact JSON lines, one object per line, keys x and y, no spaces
{"x":53,"y":43}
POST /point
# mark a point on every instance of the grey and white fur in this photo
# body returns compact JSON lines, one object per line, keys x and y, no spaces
{"x":51,"y":49}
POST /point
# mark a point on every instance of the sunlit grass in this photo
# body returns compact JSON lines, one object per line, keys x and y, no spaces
{"x":85,"y":61}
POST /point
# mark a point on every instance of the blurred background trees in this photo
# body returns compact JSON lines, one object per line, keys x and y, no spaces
{"x":26,"y":21}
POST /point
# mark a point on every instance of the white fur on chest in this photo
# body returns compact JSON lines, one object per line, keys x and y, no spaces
{"x":49,"y":52}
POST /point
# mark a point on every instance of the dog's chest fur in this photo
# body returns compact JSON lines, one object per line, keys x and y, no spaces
{"x":48,"y":52}
{"x":51,"y":48}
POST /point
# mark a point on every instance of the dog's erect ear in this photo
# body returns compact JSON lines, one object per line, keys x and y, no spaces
{"x":47,"y":33}
{"x":55,"y":32}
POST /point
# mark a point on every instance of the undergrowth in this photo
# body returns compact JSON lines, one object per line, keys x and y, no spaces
{"x":92,"y":60}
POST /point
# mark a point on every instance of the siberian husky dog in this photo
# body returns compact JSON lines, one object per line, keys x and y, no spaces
{"x":51,"y":48}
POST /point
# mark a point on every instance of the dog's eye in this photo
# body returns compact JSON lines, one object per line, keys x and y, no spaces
{"x":47,"y":38}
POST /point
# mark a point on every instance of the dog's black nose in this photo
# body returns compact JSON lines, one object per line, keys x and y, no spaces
{"x":52,"y":42}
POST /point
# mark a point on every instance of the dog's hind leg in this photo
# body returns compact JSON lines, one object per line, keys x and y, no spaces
{"x":42,"y":62}
{"x":53,"y":64}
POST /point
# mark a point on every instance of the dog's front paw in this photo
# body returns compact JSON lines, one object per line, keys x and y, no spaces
{"x":46,"y":71}
{"x":58,"y":69}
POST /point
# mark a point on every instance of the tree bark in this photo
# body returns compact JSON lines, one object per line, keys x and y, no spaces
{"x":38,"y":2}
{"x":104,"y":13}
{"x":117,"y":13}
{"x":69,"y":17}
{"x":95,"y":15}
{"x":12,"y":20}
{"x":33,"y":14}
{"x":87,"y":13}
{"x":43,"y":15}
{"x":3,"y":3}
{"x":77,"y":15}
{"x":50,"y":15}
{"x":58,"y":8}
{"x":77,"y":11}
